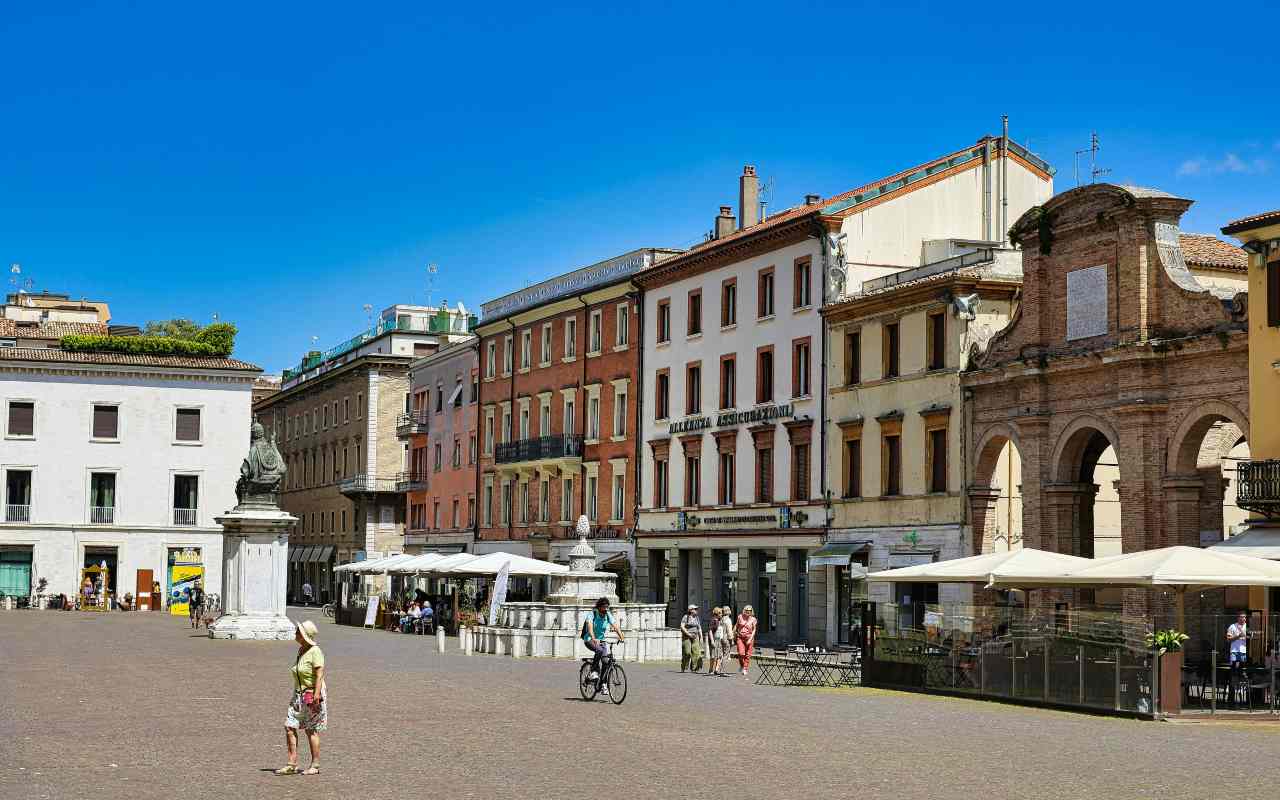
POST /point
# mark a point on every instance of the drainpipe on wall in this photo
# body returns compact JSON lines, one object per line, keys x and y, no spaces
{"x":1004,"y":179}
{"x":511,"y":398}
{"x":637,"y":297}
{"x":822,"y":398}
{"x":582,"y":384}
{"x":475,"y":518}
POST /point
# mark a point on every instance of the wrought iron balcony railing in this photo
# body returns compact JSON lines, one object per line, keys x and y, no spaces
{"x":412,"y":422}
{"x":17,"y":513}
{"x":184,"y":516}
{"x":411,"y":482}
{"x":541,"y":448}
{"x":102,"y":515}
{"x":368,"y":484}
{"x":1258,"y":486}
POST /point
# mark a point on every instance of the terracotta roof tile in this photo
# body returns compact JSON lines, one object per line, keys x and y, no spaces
{"x":1256,"y":221}
{"x":10,"y":328}
{"x":123,"y":359}
{"x":1204,"y":250}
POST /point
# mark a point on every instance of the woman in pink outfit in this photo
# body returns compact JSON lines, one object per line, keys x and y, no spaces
{"x":746,"y":636}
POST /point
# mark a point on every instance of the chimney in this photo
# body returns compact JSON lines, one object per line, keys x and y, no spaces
{"x":725,"y":223}
{"x":812,"y":199}
{"x":748,"y":197}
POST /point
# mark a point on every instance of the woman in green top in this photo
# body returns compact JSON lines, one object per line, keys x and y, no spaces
{"x":308,"y":710}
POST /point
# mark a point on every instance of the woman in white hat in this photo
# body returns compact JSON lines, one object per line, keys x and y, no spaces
{"x":308,"y":710}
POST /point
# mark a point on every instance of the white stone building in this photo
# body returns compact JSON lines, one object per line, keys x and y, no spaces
{"x":116,"y":459}
{"x":733,"y":413}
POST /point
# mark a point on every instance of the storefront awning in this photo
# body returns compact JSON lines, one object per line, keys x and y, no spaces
{"x":308,"y":555}
{"x":836,"y":554}
{"x":324,"y":554}
{"x":295,"y":553}
{"x":1259,"y":543}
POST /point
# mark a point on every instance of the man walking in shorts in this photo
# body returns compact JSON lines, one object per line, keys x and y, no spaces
{"x":195,"y":606}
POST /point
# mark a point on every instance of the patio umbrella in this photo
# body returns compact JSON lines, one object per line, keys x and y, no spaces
{"x":1010,"y":567}
{"x":1179,"y":568}
{"x":492,"y":563}
{"x":414,"y":565}
{"x":447,"y":562}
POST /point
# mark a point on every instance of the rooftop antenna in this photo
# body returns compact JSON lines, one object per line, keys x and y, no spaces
{"x":368,"y":314}
{"x":215,"y":318}
{"x":20,"y":284}
{"x":432,"y":271}
{"x":1094,"y":170}
{"x":766,"y":197}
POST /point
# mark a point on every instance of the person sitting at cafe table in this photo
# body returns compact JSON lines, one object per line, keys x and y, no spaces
{"x":410,"y":616}
{"x":1238,"y":636}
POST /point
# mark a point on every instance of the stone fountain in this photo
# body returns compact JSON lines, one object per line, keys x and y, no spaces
{"x":552,"y":628}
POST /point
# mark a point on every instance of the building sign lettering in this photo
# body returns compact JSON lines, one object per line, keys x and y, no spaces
{"x":729,"y":418}
{"x":563,"y":285}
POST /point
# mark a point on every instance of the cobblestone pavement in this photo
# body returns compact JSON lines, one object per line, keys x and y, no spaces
{"x":137,"y":706}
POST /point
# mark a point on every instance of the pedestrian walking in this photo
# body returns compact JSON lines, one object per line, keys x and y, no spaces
{"x":726,"y":636}
{"x":691,"y":640}
{"x":307,"y":592}
{"x":715,"y":652}
{"x":195,"y":605}
{"x":746,"y":635}
{"x":309,"y":707}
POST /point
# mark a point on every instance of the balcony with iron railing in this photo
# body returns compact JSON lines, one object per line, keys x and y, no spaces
{"x":17,"y":513}
{"x":561,"y":447}
{"x":102,"y":515}
{"x":369,"y":484}
{"x":412,"y":422}
{"x":184,"y":516}
{"x":1258,"y":486}
{"x":411,"y":482}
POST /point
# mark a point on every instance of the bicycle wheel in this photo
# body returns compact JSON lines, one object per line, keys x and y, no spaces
{"x":585,"y":685}
{"x":617,"y":684}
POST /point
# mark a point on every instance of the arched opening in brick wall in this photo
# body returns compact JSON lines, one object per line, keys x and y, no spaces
{"x":1199,"y":479}
{"x":995,"y":498}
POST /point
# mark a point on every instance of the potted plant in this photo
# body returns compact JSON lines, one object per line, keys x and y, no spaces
{"x":41,"y":599}
{"x":1168,"y":646}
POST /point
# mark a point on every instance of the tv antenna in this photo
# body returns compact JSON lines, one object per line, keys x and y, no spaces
{"x":432,"y":271}
{"x":1094,"y":170}
{"x":368,"y":314}
{"x":766,"y":197}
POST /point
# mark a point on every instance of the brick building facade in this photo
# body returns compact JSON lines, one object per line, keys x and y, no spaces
{"x":440,"y":429}
{"x":1115,"y":344}
{"x":559,"y":371}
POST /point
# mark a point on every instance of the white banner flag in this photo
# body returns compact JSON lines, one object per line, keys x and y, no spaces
{"x":499,"y":592}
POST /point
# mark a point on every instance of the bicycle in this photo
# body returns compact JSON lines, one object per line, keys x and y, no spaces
{"x":327,"y":610}
{"x":611,"y":675}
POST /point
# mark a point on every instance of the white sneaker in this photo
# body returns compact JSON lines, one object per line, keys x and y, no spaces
{"x":593,"y":676}
{"x":604,"y":690}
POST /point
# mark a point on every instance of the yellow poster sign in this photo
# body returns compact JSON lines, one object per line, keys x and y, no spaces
{"x":186,"y":567}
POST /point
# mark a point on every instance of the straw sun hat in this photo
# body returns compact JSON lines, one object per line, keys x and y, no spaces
{"x":308,"y":630}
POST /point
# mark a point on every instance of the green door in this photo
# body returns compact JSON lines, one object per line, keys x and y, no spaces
{"x":15,"y":573}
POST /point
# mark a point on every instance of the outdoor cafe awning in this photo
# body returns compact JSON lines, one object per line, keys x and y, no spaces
{"x":836,"y":554}
{"x":1180,"y":567}
{"x":1012,"y":567}
{"x":1258,"y":542}
{"x":493,"y":563}
{"x":415,"y":565}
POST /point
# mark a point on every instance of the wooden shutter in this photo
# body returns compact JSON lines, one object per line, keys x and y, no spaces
{"x":22,"y":419}
{"x":188,"y":428}
{"x":106,"y":422}
{"x":1273,"y":294}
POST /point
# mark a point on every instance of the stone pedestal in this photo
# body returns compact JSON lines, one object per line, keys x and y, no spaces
{"x":255,"y":556}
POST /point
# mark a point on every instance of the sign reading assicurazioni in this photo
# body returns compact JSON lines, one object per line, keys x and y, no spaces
{"x":572,"y":283}
{"x":728,"y":419}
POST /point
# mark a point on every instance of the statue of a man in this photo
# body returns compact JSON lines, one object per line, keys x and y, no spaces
{"x":262,"y":471}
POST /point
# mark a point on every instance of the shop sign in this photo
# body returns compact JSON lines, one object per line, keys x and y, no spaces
{"x":733,"y":560}
{"x":736,"y":520}
{"x":186,"y":566}
{"x":729,"y":419}
{"x":574,"y":283}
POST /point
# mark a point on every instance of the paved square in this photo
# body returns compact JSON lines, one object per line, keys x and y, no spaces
{"x":135,"y":705}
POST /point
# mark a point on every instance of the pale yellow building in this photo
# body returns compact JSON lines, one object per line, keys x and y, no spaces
{"x":896,"y":427}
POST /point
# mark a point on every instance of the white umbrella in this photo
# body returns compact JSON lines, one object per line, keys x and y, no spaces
{"x":492,"y":563}
{"x":1009,"y":567}
{"x":445,"y":564}
{"x":417,"y":564}
{"x":1177,"y":567}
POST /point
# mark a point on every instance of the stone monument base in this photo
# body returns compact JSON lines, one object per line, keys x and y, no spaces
{"x":243,"y":626}
{"x":255,"y":557}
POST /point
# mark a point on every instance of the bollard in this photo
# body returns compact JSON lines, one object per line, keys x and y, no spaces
{"x":468,"y":644}
{"x":640,"y":643}
{"x":440,"y":638}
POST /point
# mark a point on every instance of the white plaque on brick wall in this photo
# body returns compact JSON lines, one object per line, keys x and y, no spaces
{"x":1086,"y":302}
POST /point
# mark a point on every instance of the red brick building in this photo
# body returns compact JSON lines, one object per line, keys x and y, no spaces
{"x":559,"y":377}
{"x":1116,"y":345}
{"x":441,"y":434}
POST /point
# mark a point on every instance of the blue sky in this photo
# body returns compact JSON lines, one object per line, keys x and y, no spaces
{"x":283,"y":164}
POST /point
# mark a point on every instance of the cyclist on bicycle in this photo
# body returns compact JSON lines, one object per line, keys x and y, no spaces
{"x":594,"y":630}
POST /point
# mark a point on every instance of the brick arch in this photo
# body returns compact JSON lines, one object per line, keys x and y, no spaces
{"x":1069,"y":450}
{"x":988,"y":448}
{"x":1184,"y":445}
